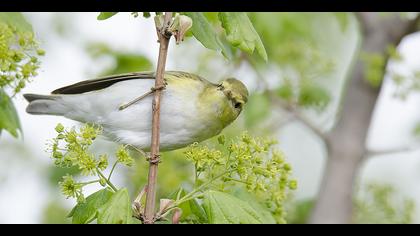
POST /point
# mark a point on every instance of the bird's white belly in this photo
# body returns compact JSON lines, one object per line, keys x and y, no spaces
{"x":180,"y":124}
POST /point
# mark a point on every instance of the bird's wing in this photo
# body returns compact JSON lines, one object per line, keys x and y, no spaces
{"x":101,"y":83}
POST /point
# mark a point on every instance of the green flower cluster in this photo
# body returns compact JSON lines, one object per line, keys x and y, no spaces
{"x":70,"y":188}
{"x":71,"y":148}
{"x":253,"y":162}
{"x":19,"y":53}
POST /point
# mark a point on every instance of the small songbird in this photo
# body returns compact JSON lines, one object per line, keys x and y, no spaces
{"x":192,"y":108}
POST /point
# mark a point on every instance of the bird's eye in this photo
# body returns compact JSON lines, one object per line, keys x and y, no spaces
{"x":238,"y":105}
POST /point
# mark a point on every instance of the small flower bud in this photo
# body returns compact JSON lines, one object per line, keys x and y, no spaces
{"x":59,"y":128}
{"x":102,"y":181}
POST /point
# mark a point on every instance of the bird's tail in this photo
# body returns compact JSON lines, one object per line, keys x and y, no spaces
{"x":45,"y":105}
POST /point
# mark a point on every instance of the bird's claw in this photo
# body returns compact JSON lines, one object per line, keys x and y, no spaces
{"x":154,"y":160}
{"x":160,"y":87}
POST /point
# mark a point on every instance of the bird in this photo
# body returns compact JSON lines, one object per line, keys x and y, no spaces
{"x":192,"y":108}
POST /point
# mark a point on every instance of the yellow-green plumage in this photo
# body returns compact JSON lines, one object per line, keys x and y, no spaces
{"x":192,"y":109}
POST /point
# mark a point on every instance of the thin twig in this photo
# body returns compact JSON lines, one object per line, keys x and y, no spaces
{"x":112,"y":170}
{"x":106,"y":180}
{"x":371,"y":153}
{"x":297,"y":115}
{"x":149,"y":212}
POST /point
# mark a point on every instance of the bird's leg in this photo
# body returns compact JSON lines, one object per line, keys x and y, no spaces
{"x":143,"y":153}
{"x":152,"y":90}
{"x":147,"y":156}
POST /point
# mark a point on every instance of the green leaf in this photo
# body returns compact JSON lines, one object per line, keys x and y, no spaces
{"x":106,"y":15}
{"x":117,"y":210}
{"x":257,"y":109}
{"x":198,"y":211}
{"x":9,"y":119}
{"x":204,"y":32}
{"x":191,"y":210}
{"x":17,"y":20}
{"x":253,"y":202}
{"x":222,"y":208}
{"x":86,"y":212}
{"x":416,"y":130}
{"x":125,"y":62}
{"x":343,"y":20}
{"x":241,"y":33}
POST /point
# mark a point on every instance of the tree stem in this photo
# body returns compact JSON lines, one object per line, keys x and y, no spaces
{"x":149,"y":212}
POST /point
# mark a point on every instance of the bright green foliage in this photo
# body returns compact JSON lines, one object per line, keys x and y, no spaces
{"x":299,"y":212}
{"x":206,"y":33}
{"x":106,"y":15}
{"x":343,"y":20}
{"x":9,"y":119}
{"x":86,"y":212}
{"x":223,"y":208}
{"x":117,"y":210}
{"x":406,"y":82}
{"x":55,"y":212}
{"x":241,"y":33}
{"x":416,"y":130}
{"x":71,"y":189}
{"x":258,"y":109}
{"x":380,"y":205}
{"x":124,"y":62}
{"x":19,"y":52}
{"x":375,"y":68}
{"x":313,"y":95}
{"x":192,"y":211}
{"x":75,"y":152}
{"x":124,"y":157}
{"x":294,"y":47}
{"x":251,"y":162}
{"x":71,"y":149}
{"x":286,"y":91}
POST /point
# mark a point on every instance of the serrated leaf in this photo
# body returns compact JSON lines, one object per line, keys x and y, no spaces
{"x":204,"y":32}
{"x":241,"y":33}
{"x":86,"y":212}
{"x":257,"y":109}
{"x":117,"y":210}
{"x":106,"y":15}
{"x":222,"y":208}
{"x":9,"y":119}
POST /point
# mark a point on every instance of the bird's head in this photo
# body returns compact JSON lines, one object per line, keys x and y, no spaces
{"x":236,"y":92}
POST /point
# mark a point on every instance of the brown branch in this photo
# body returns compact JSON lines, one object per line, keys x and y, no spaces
{"x":164,"y":37}
{"x":371,"y":153}
{"x":297,"y":115}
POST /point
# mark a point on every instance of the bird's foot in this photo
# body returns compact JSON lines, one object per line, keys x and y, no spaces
{"x":160,"y":87}
{"x":154,"y":160}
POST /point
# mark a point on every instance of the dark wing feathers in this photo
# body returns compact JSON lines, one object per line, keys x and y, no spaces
{"x":101,"y":83}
